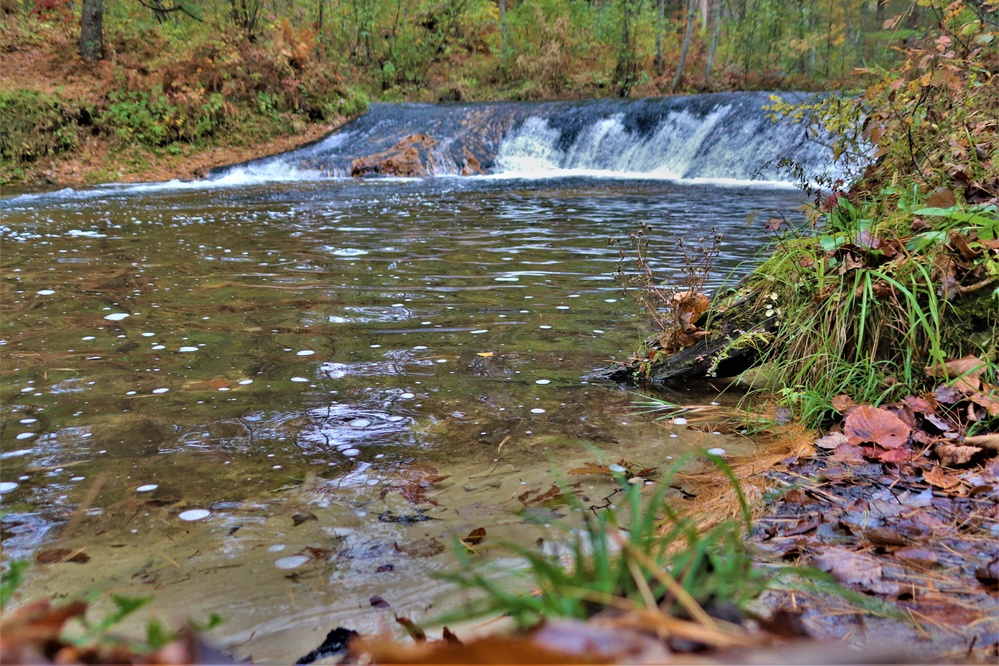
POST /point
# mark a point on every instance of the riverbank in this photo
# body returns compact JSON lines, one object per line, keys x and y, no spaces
{"x":150,"y":112}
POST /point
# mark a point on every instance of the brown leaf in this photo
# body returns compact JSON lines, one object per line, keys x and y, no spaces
{"x":847,"y":453}
{"x":831,"y":441}
{"x":690,"y":305}
{"x":57,"y":555}
{"x":886,"y":536}
{"x":919,"y":405}
{"x":923,"y":557}
{"x":948,"y":395}
{"x":989,"y":441}
{"x":476,"y":536}
{"x":967,"y":369}
{"x":952,"y":454}
{"x":842,"y":403}
{"x":590,"y":468}
{"x":990,"y":403}
{"x":873,"y":424}
{"x":960,"y":243}
{"x":851,"y":567}
{"x":899,"y":454}
{"x":941,"y":198}
{"x":939,"y":478}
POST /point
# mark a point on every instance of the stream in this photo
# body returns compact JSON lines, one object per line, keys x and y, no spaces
{"x":276,"y":395}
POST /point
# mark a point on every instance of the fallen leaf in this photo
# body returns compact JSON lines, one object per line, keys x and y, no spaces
{"x":842,"y":403}
{"x":941,"y":198}
{"x":847,"y":453}
{"x":853,"y":568}
{"x":923,"y":557}
{"x":948,"y":395}
{"x":953,"y":454}
{"x":919,"y":405}
{"x":831,"y":441}
{"x":475,"y":537}
{"x":990,"y":441}
{"x":937,"y":477}
{"x":57,"y":555}
{"x":873,"y":424}
{"x":590,"y":468}
{"x":965,"y":371}
{"x":888,"y":456}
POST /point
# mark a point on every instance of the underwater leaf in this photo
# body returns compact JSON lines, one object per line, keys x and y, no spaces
{"x":873,"y":424}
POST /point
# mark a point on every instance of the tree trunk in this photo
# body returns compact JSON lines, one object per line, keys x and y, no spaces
{"x":658,"y":63}
{"x":717,"y":7}
{"x":505,"y":38}
{"x":688,"y":35}
{"x":92,"y":30}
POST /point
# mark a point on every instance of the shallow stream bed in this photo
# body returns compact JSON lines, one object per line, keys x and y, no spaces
{"x":276,"y":401}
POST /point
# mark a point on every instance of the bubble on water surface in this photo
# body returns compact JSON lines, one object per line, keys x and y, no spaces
{"x":46,"y":292}
{"x":419,"y":348}
{"x":537,"y":410}
{"x":244,"y":382}
{"x":350,"y":453}
{"x":543,"y":381}
{"x":299,"y":379}
{"x":148,"y":488}
{"x":544,"y":326}
{"x":305,"y":352}
{"x":158,"y":347}
{"x":360,"y":423}
{"x":481,"y":330}
{"x":507,"y":279}
{"x":7,"y":486}
{"x":276,"y":548}
{"x":148,"y":334}
{"x":406,"y":395}
{"x":27,"y":421}
{"x":188,"y":349}
{"x":346,"y":252}
{"x":617,"y":468}
{"x":195,"y":514}
{"x":716,"y":451}
{"x":117,"y":316}
{"x":679,"y":421}
{"x":89,"y":337}
{"x":160,"y":390}
{"x":292,"y":562}
{"x":561,"y":307}
{"x":25,"y":435}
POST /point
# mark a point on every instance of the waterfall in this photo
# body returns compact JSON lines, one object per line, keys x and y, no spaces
{"x":718,"y":138}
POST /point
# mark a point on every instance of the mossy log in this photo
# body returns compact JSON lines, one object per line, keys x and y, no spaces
{"x":738,"y":331}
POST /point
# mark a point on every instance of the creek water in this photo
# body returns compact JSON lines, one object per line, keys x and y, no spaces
{"x":274,"y":395}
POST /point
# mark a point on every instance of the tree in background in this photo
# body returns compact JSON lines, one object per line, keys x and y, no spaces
{"x":92,"y":30}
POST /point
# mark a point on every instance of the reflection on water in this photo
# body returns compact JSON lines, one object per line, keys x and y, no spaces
{"x":399,"y":360}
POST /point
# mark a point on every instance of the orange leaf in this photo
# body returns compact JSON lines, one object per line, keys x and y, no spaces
{"x":873,"y":424}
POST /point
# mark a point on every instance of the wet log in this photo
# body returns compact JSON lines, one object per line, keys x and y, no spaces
{"x":735,"y":343}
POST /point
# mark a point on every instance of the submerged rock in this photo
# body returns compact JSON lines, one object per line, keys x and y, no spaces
{"x":409,"y":158}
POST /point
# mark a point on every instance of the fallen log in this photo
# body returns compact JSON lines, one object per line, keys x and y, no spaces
{"x":739,"y":331}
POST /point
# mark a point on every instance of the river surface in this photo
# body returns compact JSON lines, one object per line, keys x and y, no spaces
{"x":277,"y":400}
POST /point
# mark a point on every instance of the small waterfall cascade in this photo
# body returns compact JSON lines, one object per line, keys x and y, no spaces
{"x":720,"y":138}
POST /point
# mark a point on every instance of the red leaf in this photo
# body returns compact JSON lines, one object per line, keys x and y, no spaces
{"x":873,"y":424}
